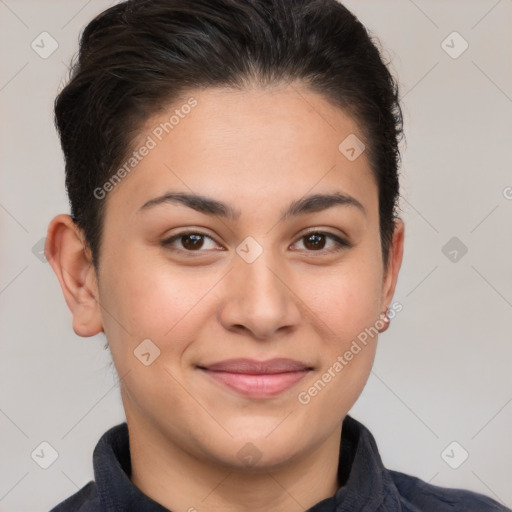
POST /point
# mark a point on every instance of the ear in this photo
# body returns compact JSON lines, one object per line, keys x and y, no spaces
{"x":66,"y":251}
{"x":396,"y":251}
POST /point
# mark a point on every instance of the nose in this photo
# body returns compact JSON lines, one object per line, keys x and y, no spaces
{"x":259,"y":299}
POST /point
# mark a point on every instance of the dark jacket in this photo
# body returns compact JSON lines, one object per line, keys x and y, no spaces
{"x":366,"y":485}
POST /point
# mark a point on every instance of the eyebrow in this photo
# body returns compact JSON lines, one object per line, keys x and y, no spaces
{"x":209,"y":206}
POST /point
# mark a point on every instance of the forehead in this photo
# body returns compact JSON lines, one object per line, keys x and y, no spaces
{"x":278,"y":142}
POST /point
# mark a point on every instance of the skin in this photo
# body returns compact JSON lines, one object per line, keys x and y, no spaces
{"x":294,"y":301}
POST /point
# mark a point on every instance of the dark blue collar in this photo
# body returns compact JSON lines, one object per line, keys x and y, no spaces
{"x":365,"y":484}
{"x":364,"y":480}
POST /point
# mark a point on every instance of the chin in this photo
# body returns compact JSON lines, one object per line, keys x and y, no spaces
{"x":250,"y":459}
{"x":257,"y":451}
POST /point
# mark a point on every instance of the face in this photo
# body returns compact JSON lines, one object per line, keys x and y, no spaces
{"x":267,"y":274}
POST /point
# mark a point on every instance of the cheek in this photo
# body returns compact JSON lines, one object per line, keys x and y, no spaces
{"x":345,"y":305}
{"x":153,"y":299}
{"x":346,"y":298}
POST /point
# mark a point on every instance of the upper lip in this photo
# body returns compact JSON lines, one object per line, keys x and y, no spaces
{"x":252,"y":366}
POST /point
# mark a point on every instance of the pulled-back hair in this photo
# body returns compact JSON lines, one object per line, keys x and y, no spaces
{"x":140,"y":56}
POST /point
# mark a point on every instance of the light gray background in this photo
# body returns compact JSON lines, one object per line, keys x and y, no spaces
{"x":443,"y":369}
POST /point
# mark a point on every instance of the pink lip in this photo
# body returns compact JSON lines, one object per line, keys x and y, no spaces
{"x":257,"y":379}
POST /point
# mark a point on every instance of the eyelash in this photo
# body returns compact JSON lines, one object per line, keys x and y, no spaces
{"x":341,"y":244}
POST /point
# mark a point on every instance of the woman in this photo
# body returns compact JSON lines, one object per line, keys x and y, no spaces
{"x":232,"y":173}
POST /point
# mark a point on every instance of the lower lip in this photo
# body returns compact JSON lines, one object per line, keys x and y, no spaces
{"x":258,"y":386}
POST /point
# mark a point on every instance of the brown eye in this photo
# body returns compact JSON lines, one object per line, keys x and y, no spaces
{"x":316,"y":241}
{"x":190,"y":241}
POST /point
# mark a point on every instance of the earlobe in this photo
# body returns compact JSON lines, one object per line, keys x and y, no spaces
{"x":66,"y":251}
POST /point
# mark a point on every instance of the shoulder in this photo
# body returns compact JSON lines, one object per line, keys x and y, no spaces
{"x":85,"y":500}
{"x":425,"y":497}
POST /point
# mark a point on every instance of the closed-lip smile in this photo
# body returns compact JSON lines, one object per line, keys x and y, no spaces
{"x":257,"y":379}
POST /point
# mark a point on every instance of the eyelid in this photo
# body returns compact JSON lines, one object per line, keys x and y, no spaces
{"x":344,"y":238}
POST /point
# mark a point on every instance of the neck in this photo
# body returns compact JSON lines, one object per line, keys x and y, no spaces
{"x":179,"y":481}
